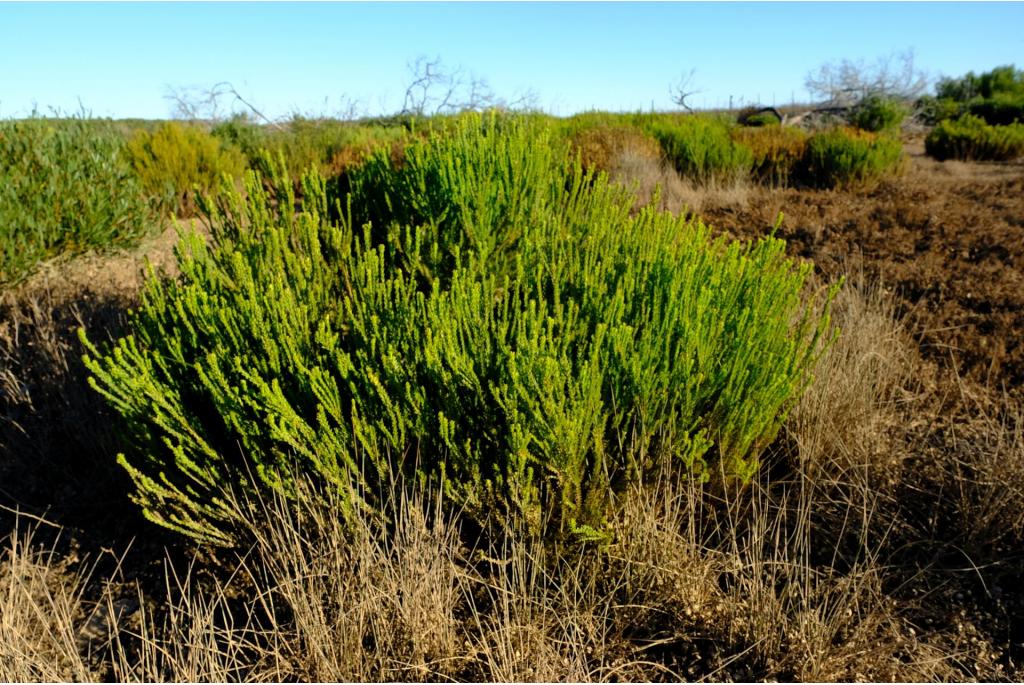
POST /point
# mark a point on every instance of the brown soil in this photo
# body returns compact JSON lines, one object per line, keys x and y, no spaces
{"x":947,"y":237}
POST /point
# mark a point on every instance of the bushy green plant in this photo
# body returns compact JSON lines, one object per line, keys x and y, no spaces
{"x":997,"y":96}
{"x":65,"y":186}
{"x":176,"y":161}
{"x":329,"y":145}
{"x":969,"y":137}
{"x":931,"y":110}
{"x":503,"y":326}
{"x":846,"y":157}
{"x":877,"y":114}
{"x":701,"y":148}
{"x":756,"y":117}
{"x":1003,"y":80}
{"x":999,"y":110}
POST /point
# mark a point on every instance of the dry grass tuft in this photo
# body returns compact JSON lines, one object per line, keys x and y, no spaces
{"x":39,"y":604}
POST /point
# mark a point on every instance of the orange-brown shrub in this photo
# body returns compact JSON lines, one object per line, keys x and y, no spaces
{"x":603,"y":146}
{"x":777,"y":151}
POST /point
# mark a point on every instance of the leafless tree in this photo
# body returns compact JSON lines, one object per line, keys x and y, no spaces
{"x":682,"y":89}
{"x":438,"y":89}
{"x":208,"y":103}
{"x":844,"y":83}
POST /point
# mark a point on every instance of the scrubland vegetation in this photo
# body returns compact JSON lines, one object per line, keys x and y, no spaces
{"x":499,"y":396}
{"x":978,"y":117}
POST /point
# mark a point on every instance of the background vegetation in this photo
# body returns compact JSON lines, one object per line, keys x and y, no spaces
{"x":65,"y":186}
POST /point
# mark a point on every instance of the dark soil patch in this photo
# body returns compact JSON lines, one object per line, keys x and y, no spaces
{"x":947,"y":237}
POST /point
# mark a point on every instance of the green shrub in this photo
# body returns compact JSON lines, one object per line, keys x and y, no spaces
{"x":328,"y":145}
{"x":877,"y":114}
{"x":701,"y":149}
{"x":846,"y":157}
{"x":504,"y":326}
{"x":997,"y":96}
{"x":756,"y":117}
{"x":777,"y":151}
{"x":969,"y":137}
{"x":65,"y":186}
{"x":931,"y":110}
{"x":176,"y":161}
{"x":1001,"y":81}
{"x":1000,"y":110}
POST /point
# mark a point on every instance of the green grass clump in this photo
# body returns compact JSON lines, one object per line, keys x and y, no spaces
{"x":65,"y":186}
{"x":969,"y":137}
{"x":501,"y":325}
{"x":176,"y":161}
{"x":701,"y":148}
{"x":846,"y":157}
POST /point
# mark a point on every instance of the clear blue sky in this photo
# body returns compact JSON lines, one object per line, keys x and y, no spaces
{"x":119,"y":59}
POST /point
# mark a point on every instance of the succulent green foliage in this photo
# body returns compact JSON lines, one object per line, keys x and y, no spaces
{"x":500,"y":323}
{"x":969,"y":137}
{"x":65,"y":187}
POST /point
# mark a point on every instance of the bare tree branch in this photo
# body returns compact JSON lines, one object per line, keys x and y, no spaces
{"x":435,"y":89}
{"x":844,"y":83}
{"x":200,"y":103}
{"x":682,"y":89}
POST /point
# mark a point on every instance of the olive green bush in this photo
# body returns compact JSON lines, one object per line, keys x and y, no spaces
{"x":329,"y":145}
{"x":65,"y":186}
{"x":877,"y":114}
{"x":846,"y":157}
{"x":481,"y":315}
{"x":701,"y":148}
{"x":997,"y":96}
{"x":969,"y":137}
{"x":175,"y":162}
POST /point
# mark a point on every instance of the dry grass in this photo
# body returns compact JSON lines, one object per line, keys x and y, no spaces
{"x":39,"y":605}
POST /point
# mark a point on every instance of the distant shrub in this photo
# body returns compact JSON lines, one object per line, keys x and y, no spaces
{"x":776,"y":150}
{"x":601,"y":147}
{"x":969,"y":137}
{"x":877,"y":114}
{"x":328,"y":145}
{"x":847,"y":157}
{"x":1002,"y":81}
{"x":997,"y":96}
{"x":502,"y":327}
{"x":241,"y":133}
{"x":755,"y":117}
{"x":931,"y":110}
{"x":1000,"y":110}
{"x":65,"y":186}
{"x":701,"y":149}
{"x":176,"y":161}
